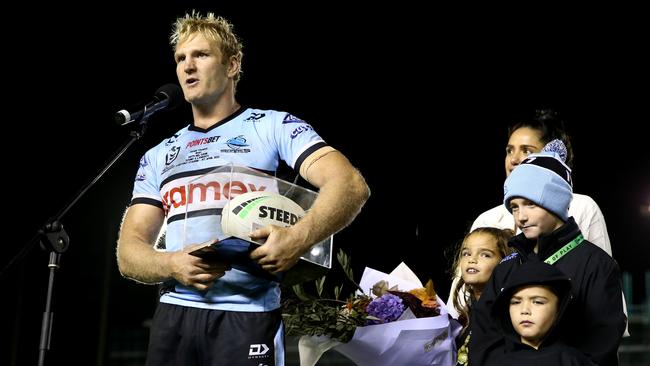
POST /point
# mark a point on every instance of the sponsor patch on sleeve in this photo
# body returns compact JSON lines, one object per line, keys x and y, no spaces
{"x":290,"y":118}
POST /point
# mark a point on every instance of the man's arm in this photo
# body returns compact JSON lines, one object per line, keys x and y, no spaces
{"x":138,"y":260}
{"x":342,"y":193}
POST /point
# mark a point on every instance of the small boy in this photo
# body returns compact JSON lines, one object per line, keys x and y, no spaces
{"x":538,"y":193}
{"x":528,"y":311}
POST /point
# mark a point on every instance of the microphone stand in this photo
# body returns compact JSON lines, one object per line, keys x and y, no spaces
{"x":54,"y":238}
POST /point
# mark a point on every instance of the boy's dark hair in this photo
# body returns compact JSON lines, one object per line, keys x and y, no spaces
{"x":533,"y":273}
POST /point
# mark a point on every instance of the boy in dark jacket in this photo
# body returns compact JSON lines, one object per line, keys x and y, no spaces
{"x":538,"y":193}
{"x":528,"y":311}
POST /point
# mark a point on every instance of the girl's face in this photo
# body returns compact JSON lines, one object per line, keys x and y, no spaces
{"x":478,"y":257}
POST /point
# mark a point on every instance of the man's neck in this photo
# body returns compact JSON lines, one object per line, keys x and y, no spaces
{"x":207,"y":115}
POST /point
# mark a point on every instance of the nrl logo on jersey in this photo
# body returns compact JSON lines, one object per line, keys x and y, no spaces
{"x":290,"y":118}
{"x":172,"y":154}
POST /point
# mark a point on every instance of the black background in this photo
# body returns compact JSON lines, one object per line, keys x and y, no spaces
{"x":418,"y":100}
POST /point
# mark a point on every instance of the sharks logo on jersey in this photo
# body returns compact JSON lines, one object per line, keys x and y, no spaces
{"x":237,"y":145}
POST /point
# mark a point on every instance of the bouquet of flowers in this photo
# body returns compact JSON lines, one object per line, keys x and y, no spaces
{"x":395,"y":321}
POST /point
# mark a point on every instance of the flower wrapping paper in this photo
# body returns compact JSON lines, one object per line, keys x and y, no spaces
{"x":408,"y":342}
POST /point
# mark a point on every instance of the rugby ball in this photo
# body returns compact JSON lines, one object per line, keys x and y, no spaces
{"x":253,"y":210}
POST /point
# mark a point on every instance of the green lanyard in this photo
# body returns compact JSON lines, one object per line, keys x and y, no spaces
{"x":565,"y":249}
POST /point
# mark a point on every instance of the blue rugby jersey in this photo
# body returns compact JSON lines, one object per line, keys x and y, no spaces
{"x":172,"y":176}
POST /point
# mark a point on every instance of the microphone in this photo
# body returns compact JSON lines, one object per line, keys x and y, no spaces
{"x":167,"y":97}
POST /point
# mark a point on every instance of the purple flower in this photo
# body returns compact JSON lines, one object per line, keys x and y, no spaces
{"x":387,"y":308}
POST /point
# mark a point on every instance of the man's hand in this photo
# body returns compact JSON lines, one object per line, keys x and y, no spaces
{"x":195,"y":271}
{"x":282,"y":249}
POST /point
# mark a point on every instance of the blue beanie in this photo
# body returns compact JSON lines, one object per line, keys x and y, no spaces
{"x":544,"y":179}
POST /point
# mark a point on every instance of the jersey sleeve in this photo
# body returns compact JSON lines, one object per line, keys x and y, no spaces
{"x":296,"y":139}
{"x":145,"y":187}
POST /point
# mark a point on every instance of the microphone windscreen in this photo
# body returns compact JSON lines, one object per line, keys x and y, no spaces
{"x":173,"y":92}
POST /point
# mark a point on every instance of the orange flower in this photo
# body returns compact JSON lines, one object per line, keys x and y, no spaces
{"x":427,"y":295}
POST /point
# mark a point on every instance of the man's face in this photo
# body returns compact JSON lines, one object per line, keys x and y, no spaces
{"x":201,"y":71}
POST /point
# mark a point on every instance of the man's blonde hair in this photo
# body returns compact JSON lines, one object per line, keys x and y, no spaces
{"x":217,"y":29}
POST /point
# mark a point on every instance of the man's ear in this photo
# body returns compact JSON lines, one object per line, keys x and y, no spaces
{"x":234,"y":65}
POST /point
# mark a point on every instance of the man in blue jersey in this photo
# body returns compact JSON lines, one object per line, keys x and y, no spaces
{"x":214,"y":314}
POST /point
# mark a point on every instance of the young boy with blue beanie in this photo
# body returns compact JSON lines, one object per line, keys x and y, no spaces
{"x":538,"y":194}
